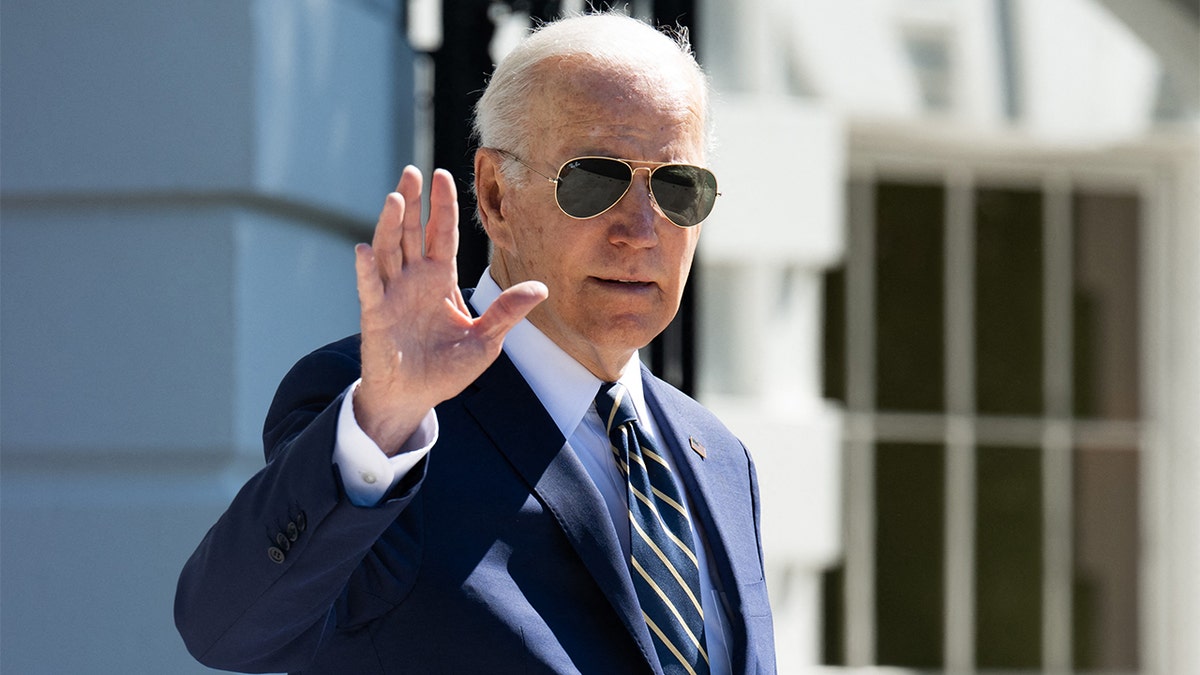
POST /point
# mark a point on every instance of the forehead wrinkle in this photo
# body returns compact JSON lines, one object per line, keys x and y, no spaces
{"x":578,"y":101}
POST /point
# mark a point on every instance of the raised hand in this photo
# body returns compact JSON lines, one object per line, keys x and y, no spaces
{"x":420,"y":344}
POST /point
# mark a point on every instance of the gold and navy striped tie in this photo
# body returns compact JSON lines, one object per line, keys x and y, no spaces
{"x":663,"y":553}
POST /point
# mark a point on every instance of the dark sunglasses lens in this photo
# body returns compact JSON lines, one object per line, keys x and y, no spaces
{"x":685,"y":193}
{"x":590,"y":185}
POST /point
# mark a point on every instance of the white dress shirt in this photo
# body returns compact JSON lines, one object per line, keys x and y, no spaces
{"x":568,"y":391}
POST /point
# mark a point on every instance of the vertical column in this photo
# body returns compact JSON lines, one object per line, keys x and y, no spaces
{"x":860,"y":444}
{"x":961,"y":461}
{"x":182,"y":186}
{"x":1057,"y":441}
{"x":777,"y":226}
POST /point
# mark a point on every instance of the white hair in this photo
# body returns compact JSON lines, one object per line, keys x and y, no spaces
{"x":610,"y":39}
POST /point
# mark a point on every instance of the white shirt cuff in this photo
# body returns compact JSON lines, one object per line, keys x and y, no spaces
{"x":367,"y":472}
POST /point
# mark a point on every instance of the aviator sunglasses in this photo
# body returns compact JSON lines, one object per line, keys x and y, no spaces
{"x":586,"y":187}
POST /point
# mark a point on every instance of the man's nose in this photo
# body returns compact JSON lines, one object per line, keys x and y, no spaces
{"x":637,"y":213}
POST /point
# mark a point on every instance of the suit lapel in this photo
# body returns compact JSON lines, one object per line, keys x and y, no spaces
{"x":700,"y":464}
{"x":537,"y":451}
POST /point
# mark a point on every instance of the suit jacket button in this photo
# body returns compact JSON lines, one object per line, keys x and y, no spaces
{"x":276,"y":555}
{"x":281,"y":540}
{"x":301,"y":521}
{"x":292,"y":531}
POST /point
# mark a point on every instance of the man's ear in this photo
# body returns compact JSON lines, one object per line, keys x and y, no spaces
{"x":490,"y":191}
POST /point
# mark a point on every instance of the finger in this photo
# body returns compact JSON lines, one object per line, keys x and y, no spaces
{"x":370,"y":286}
{"x":513,"y":305}
{"x":385,"y":245}
{"x":410,"y":189}
{"x":441,"y":232}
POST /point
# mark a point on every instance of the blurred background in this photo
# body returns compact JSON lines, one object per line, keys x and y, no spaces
{"x":950,"y":298}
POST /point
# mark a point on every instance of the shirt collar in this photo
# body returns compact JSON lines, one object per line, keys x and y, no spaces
{"x":564,"y":386}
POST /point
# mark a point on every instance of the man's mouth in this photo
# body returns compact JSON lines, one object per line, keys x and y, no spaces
{"x":631,"y":283}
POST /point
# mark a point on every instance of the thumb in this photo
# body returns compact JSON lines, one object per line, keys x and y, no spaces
{"x":513,"y":305}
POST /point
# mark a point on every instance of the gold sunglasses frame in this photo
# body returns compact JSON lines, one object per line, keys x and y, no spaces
{"x":654,"y":166}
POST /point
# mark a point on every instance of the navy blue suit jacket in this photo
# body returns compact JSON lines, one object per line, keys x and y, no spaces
{"x":496,"y":554}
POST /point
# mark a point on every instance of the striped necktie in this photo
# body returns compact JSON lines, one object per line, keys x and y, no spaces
{"x":662,"y":551}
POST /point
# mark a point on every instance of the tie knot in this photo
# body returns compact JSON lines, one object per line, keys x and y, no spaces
{"x":614,"y":405}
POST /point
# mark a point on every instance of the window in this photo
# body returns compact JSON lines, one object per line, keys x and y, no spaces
{"x":983,"y":337}
{"x":930,"y":55}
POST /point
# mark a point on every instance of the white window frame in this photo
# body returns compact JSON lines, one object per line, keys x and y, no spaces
{"x":961,"y":161}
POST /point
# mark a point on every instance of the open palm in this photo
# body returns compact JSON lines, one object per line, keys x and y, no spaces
{"x":420,"y":344}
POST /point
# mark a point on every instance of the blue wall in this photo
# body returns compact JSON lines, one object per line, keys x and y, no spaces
{"x":181,"y":184}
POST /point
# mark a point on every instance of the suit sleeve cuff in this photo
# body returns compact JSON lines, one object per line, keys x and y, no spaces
{"x":367,"y":473}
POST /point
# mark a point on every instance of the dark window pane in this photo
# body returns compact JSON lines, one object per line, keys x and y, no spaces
{"x":1106,"y":306}
{"x":833,"y":616}
{"x":834,"y":336}
{"x":910,"y":514}
{"x":909,"y":297}
{"x":1008,"y":558}
{"x":1008,"y":302}
{"x":1106,"y":559}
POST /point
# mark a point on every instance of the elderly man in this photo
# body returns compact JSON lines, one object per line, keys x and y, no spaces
{"x":488,"y":481}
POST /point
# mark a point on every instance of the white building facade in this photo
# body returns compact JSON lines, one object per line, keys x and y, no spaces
{"x":950,"y":301}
